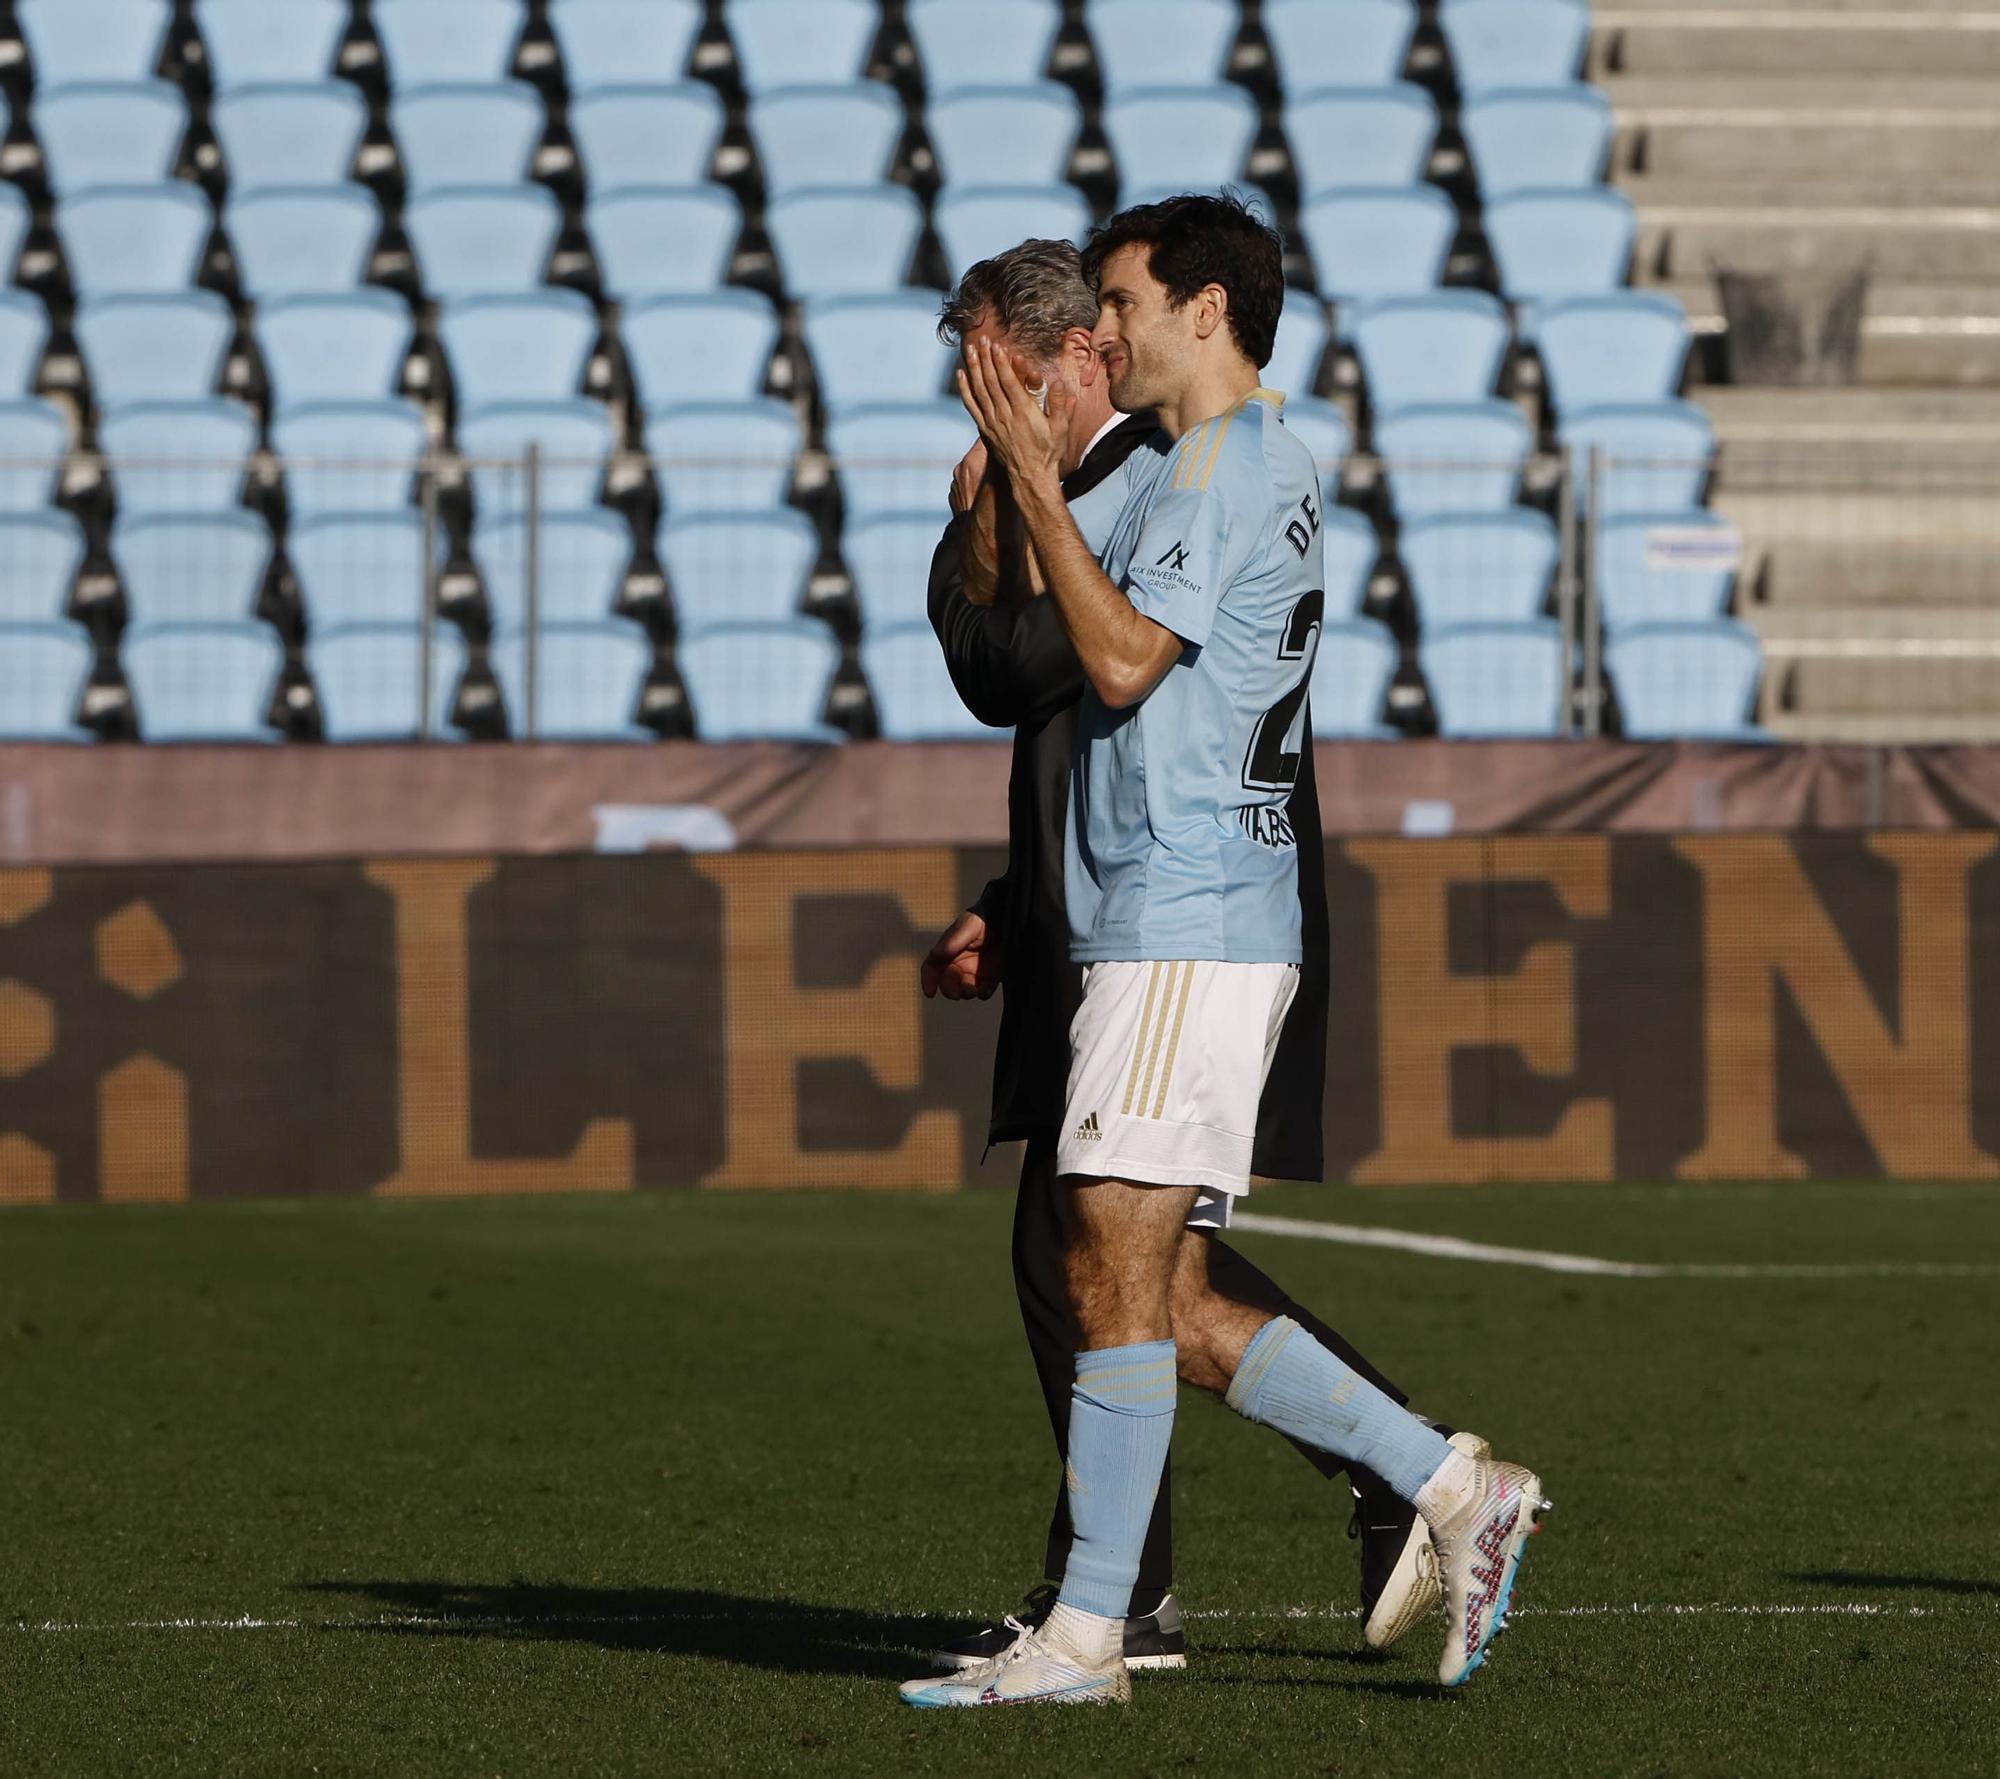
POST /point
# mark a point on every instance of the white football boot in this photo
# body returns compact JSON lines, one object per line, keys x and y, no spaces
{"x":1413,"y":1590}
{"x":1479,"y":1545}
{"x":1032,"y":1670}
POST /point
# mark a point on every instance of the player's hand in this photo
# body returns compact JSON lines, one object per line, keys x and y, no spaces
{"x":968,"y":477}
{"x":1026,"y":442}
{"x":964,"y":965}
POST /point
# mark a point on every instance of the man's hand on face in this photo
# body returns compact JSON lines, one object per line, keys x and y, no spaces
{"x":969,"y":477}
{"x":964,"y":965}
{"x":1025,"y":442}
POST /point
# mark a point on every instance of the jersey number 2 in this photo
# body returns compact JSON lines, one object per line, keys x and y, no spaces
{"x":1269,"y":766}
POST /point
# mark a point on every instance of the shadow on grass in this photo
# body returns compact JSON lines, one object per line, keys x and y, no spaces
{"x":1902,"y":1584}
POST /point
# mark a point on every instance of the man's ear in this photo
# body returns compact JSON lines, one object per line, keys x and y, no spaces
{"x":1211,"y":310}
{"x":1079,"y":355}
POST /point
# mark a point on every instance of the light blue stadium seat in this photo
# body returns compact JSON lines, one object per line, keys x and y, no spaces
{"x":983,"y":42}
{"x":191,"y":568}
{"x":34,"y":439}
{"x":467,"y":135}
{"x":573,"y":437}
{"x":1459,"y":457}
{"x":1378,"y":243}
{"x":291,"y":240}
{"x":646,"y":135}
{"x":1160,"y":42}
{"x":15,"y":220}
{"x":915,"y":699}
{"x":24,"y":337}
{"x":1355,"y":44}
{"x":1686,"y":681}
{"x":289,"y":135}
{"x":1552,"y":244}
{"x":43,"y":671}
{"x":1447,"y":346}
{"x":1298,"y":347}
{"x":877,"y":348}
{"x":154,"y":348}
{"x":1191,"y":138}
{"x":890,"y":559}
{"x":1325,"y":431}
{"x":359,"y":568}
{"x":1495,"y":679}
{"x":652,"y":240}
{"x":975,"y":225}
{"x":134,"y":237}
{"x":1347,"y":138}
{"x":1627,"y":347}
{"x":711,"y":456}
{"x":1479,"y":568}
{"x":610,"y":42}
{"x":812,"y":137}
{"x":344,"y":457}
{"x":1653,"y":457}
{"x":1352,"y":668}
{"x":254,"y":42}
{"x":711,"y":348}
{"x":42,"y":552}
{"x":448,"y":42}
{"x":106,"y":133}
{"x":369,"y":677}
{"x":583,"y":558}
{"x":476,"y":240}
{"x":529,"y":347}
{"x":761,"y":682}
{"x":1351,"y":550}
{"x":1514,"y":43}
{"x":851,"y":239}
{"x":1524,"y":141}
{"x":737,"y":568}
{"x":334,"y":348}
{"x":178,"y":457}
{"x":1647,"y":574}
{"x":1000,"y":135}
{"x":898,"y":457}
{"x":1255,"y":198}
{"x":796,"y":42}
{"x":71,"y":40}
{"x":588,"y":682}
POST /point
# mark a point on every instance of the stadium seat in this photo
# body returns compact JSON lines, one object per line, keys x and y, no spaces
{"x":877,"y":348}
{"x":797,"y":42}
{"x":652,"y":240}
{"x":1523,"y":141}
{"x":127,"y":238}
{"x":1495,"y":679}
{"x":614,"y":42}
{"x":584,"y":557}
{"x":1462,"y":457}
{"x":1447,"y":346}
{"x":975,"y":225}
{"x":813,"y":137}
{"x":529,"y":347}
{"x":1325,"y":431}
{"x":467,"y":135}
{"x":109,"y":134}
{"x":647,"y":135}
{"x":1000,"y":135}
{"x":1650,"y":457}
{"x":1352,"y":667}
{"x":847,"y":239}
{"x":203,"y":682}
{"x":255,"y":43}
{"x":289,"y":135}
{"x":573,"y":439}
{"x":898,"y":457}
{"x":966,"y":43}
{"x":290,"y":240}
{"x":712,"y":348}
{"x":1647,"y":575}
{"x":24,"y":337}
{"x":42,"y":551}
{"x":1190,"y":138}
{"x":1160,"y":42}
{"x":477,"y":240}
{"x":1686,"y":681}
{"x":191,"y":568}
{"x":1514,"y":43}
{"x":359,"y":568}
{"x":737,"y":568}
{"x":588,"y":682}
{"x":1479,"y":568}
{"x":710,"y":456}
{"x":178,"y":457}
{"x":915,"y":699}
{"x":71,"y":40}
{"x":44,"y":669}
{"x":1551,"y":244}
{"x":154,"y":348}
{"x":1299,"y":346}
{"x":34,"y":440}
{"x":890,"y":559}
{"x":1628,"y":347}
{"x":1346,"y":138}
{"x":15,"y":220}
{"x":334,"y":348}
{"x":1380,"y":242}
{"x":369,"y":677}
{"x":343,"y":457}
{"x":448,"y":42}
{"x":761,"y":682}
{"x":1351,"y":550}
{"x":1369,"y":47}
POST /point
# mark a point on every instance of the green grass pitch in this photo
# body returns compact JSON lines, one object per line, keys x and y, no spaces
{"x":682,"y":1484}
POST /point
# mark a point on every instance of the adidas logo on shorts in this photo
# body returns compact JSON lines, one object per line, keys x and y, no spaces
{"x":1087,"y":1131}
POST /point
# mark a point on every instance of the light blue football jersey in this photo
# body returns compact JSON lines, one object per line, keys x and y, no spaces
{"x":1178,"y":845}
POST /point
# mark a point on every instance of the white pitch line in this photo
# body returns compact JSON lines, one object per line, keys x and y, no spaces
{"x":1452,"y":1247}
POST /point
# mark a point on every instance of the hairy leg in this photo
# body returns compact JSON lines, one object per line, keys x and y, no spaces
{"x":1123,"y":1243}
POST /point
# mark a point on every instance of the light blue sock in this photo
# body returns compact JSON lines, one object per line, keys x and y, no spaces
{"x":1121,"y":1420}
{"x":1287,"y":1380}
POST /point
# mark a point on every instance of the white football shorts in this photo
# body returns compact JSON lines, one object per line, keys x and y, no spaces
{"x":1166,"y":1065}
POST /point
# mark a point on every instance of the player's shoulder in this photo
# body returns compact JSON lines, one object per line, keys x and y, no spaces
{"x":1246,"y":455}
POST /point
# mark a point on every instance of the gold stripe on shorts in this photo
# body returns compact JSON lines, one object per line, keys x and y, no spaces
{"x":1139,"y":1044}
{"x":1159,"y":1033}
{"x":1173,"y":1043}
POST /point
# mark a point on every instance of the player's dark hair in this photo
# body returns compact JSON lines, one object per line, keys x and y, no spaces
{"x":1035,"y":293}
{"x":1198,"y":240}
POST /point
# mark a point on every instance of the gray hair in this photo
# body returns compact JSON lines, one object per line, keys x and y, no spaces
{"x":1035,"y":293}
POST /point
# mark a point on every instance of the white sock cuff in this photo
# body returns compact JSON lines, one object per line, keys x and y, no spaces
{"x":1450,"y":1489}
